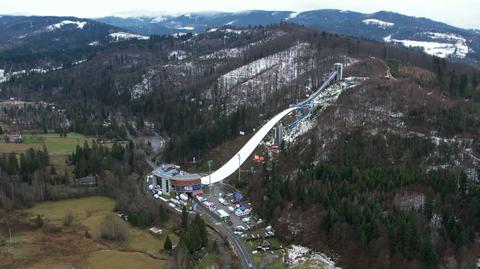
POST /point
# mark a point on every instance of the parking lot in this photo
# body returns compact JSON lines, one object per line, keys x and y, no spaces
{"x":243,"y":221}
{"x":222,"y":200}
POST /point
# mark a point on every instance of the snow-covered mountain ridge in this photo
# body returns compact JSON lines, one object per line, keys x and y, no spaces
{"x":450,"y":42}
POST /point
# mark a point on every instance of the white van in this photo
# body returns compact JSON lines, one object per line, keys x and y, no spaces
{"x":222,"y":201}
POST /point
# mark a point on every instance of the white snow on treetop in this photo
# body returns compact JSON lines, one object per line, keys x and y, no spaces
{"x":379,"y":23}
{"x":119,"y":36}
{"x":80,"y":25}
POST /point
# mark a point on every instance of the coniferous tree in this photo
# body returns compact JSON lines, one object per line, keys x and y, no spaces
{"x":167,"y":245}
{"x":184,"y":222}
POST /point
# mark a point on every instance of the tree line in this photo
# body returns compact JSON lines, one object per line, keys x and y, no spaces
{"x":356,"y":189}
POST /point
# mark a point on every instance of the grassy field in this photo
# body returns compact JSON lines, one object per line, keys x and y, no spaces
{"x":58,"y":147}
{"x":17,"y":148}
{"x":90,"y":212}
{"x":70,"y":248}
{"x":275,"y":245}
{"x":56,"y":144}
{"x":86,"y":211}
{"x":124,"y":260}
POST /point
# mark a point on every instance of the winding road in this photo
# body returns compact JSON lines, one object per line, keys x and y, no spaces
{"x":243,"y":254}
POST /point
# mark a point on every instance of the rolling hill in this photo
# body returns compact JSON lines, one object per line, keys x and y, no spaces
{"x":433,"y":37}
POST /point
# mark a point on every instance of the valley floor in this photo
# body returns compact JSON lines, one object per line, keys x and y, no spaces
{"x":79,"y":245}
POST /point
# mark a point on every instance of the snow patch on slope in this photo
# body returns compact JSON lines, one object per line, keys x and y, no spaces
{"x":233,"y":31}
{"x":453,"y":45}
{"x":445,"y":36}
{"x":159,"y":19}
{"x":328,"y":97}
{"x":293,"y":15}
{"x":284,"y":61}
{"x":2,"y":76}
{"x":178,"y":35}
{"x":144,"y":87}
{"x":94,"y":43}
{"x":238,"y":52}
{"x":38,"y":70}
{"x":80,"y":25}
{"x":296,"y":255}
{"x":177,"y":55}
{"x":188,"y":28}
{"x":120,"y":36}
{"x":252,"y":84}
{"x":378,"y":23}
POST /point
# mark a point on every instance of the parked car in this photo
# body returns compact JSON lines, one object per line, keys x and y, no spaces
{"x":222,"y":201}
{"x":240,"y":228}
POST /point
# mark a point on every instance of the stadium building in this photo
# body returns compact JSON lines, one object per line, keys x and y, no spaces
{"x":170,"y":179}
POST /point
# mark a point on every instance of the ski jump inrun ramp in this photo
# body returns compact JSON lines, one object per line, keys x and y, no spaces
{"x":242,"y":155}
{"x":234,"y":163}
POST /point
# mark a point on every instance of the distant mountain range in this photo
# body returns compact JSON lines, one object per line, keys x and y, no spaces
{"x":43,"y":36}
{"x":433,"y":37}
{"x":27,"y":41}
{"x":49,"y":33}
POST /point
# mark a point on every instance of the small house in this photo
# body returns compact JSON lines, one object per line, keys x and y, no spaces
{"x":13,"y":138}
{"x":264,"y":246}
{"x":156,"y":231}
{"x":85,"y":181}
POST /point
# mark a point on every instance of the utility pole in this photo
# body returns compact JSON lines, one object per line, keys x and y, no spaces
{"x":210,"y":176}
{"x":11,"y":242}
{"x":239,"y":163}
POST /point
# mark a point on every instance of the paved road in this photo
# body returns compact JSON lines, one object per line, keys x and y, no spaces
{"x":216,"y":190}
{"x":147,"y":158}
{"x":224,"y":252}
{"x":243,"y":254}
{"x":246,"y":259}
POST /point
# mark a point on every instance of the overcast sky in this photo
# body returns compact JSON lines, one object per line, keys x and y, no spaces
{"x":462,"y":13}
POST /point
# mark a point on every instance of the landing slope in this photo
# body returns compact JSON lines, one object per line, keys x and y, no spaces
{"x":233,"y":164}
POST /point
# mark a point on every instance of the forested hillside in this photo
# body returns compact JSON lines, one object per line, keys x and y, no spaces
{"x":228,"y":79}
{"x":385,"y":177}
